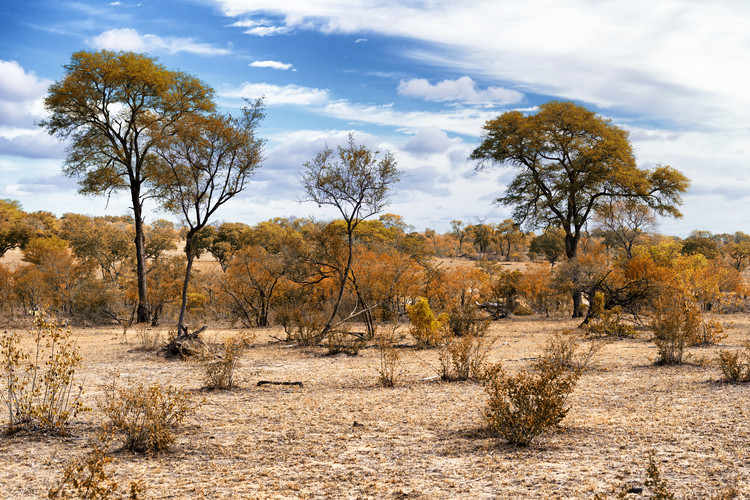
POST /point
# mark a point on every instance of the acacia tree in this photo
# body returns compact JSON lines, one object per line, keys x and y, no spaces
{"x":206,"y":162}
{"x":115,"y":107}
{"x":570,"y":162}
{"x":357,"y":183}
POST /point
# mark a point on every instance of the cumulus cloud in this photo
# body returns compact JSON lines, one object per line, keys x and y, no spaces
{"x":21,"y":98}
{"x":463,"y":89}
{"x":272,"y":65}
{"x":277,"y":95}
{"x":130,"y":39}
{"x":428,"y":140}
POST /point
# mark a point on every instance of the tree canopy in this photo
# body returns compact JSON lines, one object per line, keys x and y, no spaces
{"x":569,"y":163}
{"x":114,"y":108}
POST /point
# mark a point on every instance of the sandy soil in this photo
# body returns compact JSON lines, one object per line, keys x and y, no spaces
{"x":344,"y":436}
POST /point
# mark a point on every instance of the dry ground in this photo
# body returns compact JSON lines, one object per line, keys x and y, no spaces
{"x":344,"y":436}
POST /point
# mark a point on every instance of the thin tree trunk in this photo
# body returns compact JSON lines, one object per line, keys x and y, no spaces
{"x":344,"y":278}
{"x":143,"y":313}
{"x":183,"y":307}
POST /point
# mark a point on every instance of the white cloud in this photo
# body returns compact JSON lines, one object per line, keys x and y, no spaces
{"x":428,"y":140}
{"x":272,"y":65}
{"x":277,"y":95}
{"x":21,"y":98}
{"x":678,"y":60}
{"x":462,"y":89}
{"x":130,"y":39}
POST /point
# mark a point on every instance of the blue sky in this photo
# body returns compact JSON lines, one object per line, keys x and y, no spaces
{"x":418,"y":78}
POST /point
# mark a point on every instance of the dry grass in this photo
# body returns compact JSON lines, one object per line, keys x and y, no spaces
{"x":345,"y":436}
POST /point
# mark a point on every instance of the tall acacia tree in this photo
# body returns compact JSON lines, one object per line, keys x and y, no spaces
{"x":569,"y":163}
{"x":356,"y":182}
{"x":115,"y":108}
{"x":205,"y":163}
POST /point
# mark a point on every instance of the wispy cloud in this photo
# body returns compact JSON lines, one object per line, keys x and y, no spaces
{"x":261,"y":28}
{"x":681,"y":60}
{"x":272,"y":65}
{"x":277,"y":95}
{"x":130,"y":39}
{"x":463,"y":89}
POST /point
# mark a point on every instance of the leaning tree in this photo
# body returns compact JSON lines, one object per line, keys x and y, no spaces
{"x":205,"y":163}
{"x":569,"y":163}
{"x":355,"y":181}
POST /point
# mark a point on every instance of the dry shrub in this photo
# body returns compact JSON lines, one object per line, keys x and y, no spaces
{"x":658,"y":486}
{"x":146,"y":415}
{"x":303,"y":326}
{"x":735,"y":365}
{"x":218,"y":369}
{"x":389,"y":357}
{"x":87,"y":478}
{"x":467,"y":320}
{"x":39,"y":391}
{"x":675,"y":321}
{"x":148,"y":338}
{"x":464,"y":358}
{"x":426,"y":329}
{"x":564,"y":348}
{"x":607,"y":322}
{"x":523,"y":406}
{"x":341,"y":340}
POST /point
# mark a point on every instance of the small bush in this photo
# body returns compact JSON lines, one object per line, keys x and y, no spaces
{"x":426,"y":329}
{"x":563,"y":348}
{"x":341,"y":340}
{"x":658,"y":486}
{"x":467,"y":320}
{"x":39,"y":391}
{"x":389,"y":357}
{"x":464,"y":358}
{"x":523,"y":406}
{"x":218,"y":370}
{"x":675,"y":321}
{"x":146,"y":415}
{"x":87,"y":478}
{"x":735,"y":365}
{"x":148,"y":339}
{"x":607,"y":322}
{"x":523,"y":310}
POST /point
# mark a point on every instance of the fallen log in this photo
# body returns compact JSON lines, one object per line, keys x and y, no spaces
{"x":269,"y":382}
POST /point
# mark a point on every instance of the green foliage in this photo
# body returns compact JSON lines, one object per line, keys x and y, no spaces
{"x":551,"y":244}
{"x":146,"y":415}
{"x":606,"y":322}
{"x":39,"y":387}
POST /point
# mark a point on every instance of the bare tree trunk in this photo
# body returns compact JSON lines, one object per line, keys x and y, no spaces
{"x":143,"y":313}
{"x":181,"y":330}
{"x":344,"y":278}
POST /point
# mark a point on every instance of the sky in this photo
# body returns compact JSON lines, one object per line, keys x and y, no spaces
{"x":417,"y":78}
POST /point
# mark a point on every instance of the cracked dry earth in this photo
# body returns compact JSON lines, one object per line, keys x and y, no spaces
{"x":344,"y":436}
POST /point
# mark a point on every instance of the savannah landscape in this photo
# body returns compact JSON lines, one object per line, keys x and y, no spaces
{"x":571,"y":351}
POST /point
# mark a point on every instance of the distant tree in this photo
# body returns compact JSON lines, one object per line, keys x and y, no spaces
{"x":206,"y":162}
{"x":14,"y":229}
{"x":108,"y":243}
{"x":457,"y":228}
{"x":570,"y":162}
{"x":551,"y":244}
{"x":115,"y":108}
{"x":700,"y":242}
{"x":357,"y":183}
{"x":738,"y":248}
{"x":623,"y":222}
{"x":508,"y":234}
